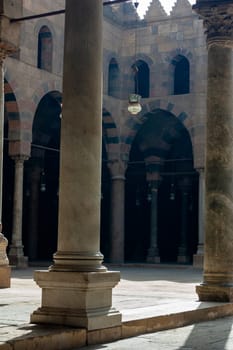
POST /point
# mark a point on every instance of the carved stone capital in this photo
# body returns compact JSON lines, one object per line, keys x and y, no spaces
{"x":9,"y":37}
{"x":20,"y":158}
{"x":5,"y":50}
{"x":218,"y":21}
{"x":117,"y":168}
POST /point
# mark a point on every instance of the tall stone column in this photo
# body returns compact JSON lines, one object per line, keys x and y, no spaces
{"x":218,"y":251}
{"x":77,"y":290}
{"x":183,"y":244}
{"x":9,"y":41}
{"x":4,"y":262}
{"x":153,"y":251}
{"x":117,"y":219}
{"x":34,"y":184}
{"x":153,"y":177}
{"x":199,"y":256}
{"x":16,"y":254}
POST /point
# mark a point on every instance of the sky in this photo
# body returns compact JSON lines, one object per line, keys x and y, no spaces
{"x":167,"y":5}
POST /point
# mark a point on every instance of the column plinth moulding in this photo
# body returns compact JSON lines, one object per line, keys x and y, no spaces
{"x":16,"y":253}
{"x":218,"y":245}
{"x":77,"y":289}
{"x":117,"y":214}
{"x":198,"y":258}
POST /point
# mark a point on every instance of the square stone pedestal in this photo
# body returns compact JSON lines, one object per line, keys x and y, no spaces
{"x":79,"y":299}
{"x":5,"y":276}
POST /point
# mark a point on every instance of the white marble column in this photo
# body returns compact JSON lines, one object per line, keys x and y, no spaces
{"x":183,"y":238}
{"x":153,"y":177}
{"x":16,"y":254}
{"x":199,"y":256}
{"x":33,"y":220}
{"x":117,"y":216}
{"x":153,"y":251}
{"x":218,"y":250}
{"x":9,"y":41}
{"x":77,"y":290}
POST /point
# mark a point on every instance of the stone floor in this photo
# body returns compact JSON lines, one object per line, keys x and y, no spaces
{"x":150,"y":298}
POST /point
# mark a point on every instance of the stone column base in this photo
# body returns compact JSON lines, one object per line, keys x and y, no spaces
{"x":198,"y":260}
{"x":153,"y":259}
{"x":5,"y":276}
{"x":21,"y":262}
{"x":183,"y":259}
{"x":153,"y":256}
{"x":214,"y":293}
{"x":79,"y":299}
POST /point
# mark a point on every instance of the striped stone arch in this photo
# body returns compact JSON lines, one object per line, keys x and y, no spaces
{"x":18,"y":141}
{"x":11,"y":105}
{"x":110,"y":133}
{"x":133,"y":124}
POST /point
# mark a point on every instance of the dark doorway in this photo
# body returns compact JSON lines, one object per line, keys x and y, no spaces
{"x":166,"y":138}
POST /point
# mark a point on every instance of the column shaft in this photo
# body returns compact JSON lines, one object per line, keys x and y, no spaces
{"x":5,"y":270}
{"x":153,"y":251}
{"x":218,"y":249}
{"x":183,"y":244}
{"x":80,"y":171}
{"x":219,"y":167}
{"x":117,"y":223}
{"x":16,"y":255}
{"x":33,"y":213}
{"x":1,"y":131}
{"x":198,"y":257}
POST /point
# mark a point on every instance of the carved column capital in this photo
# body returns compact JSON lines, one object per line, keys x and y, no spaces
{"x":6,"y":50}
{"x":218,"y":21}
{"x":117,"y":168}
{"x":20,"y":158}
{"x":153,"y":169}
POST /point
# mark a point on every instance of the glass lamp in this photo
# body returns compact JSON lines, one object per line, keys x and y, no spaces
{"x":134,"y":106}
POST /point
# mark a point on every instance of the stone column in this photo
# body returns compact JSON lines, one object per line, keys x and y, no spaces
{"x":153,"y":251}
{"x":117,"y":219}
{"x":77,"y":290}
{"x":16,"y":254}
{"x":153,"y":168}
{"x":218,"y":251}
{"x":5,"y":270}
{"x":183,"y":243}
{"x":9,"y":41}
{"x":34,"y":182}
{"x":199,"y":256}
